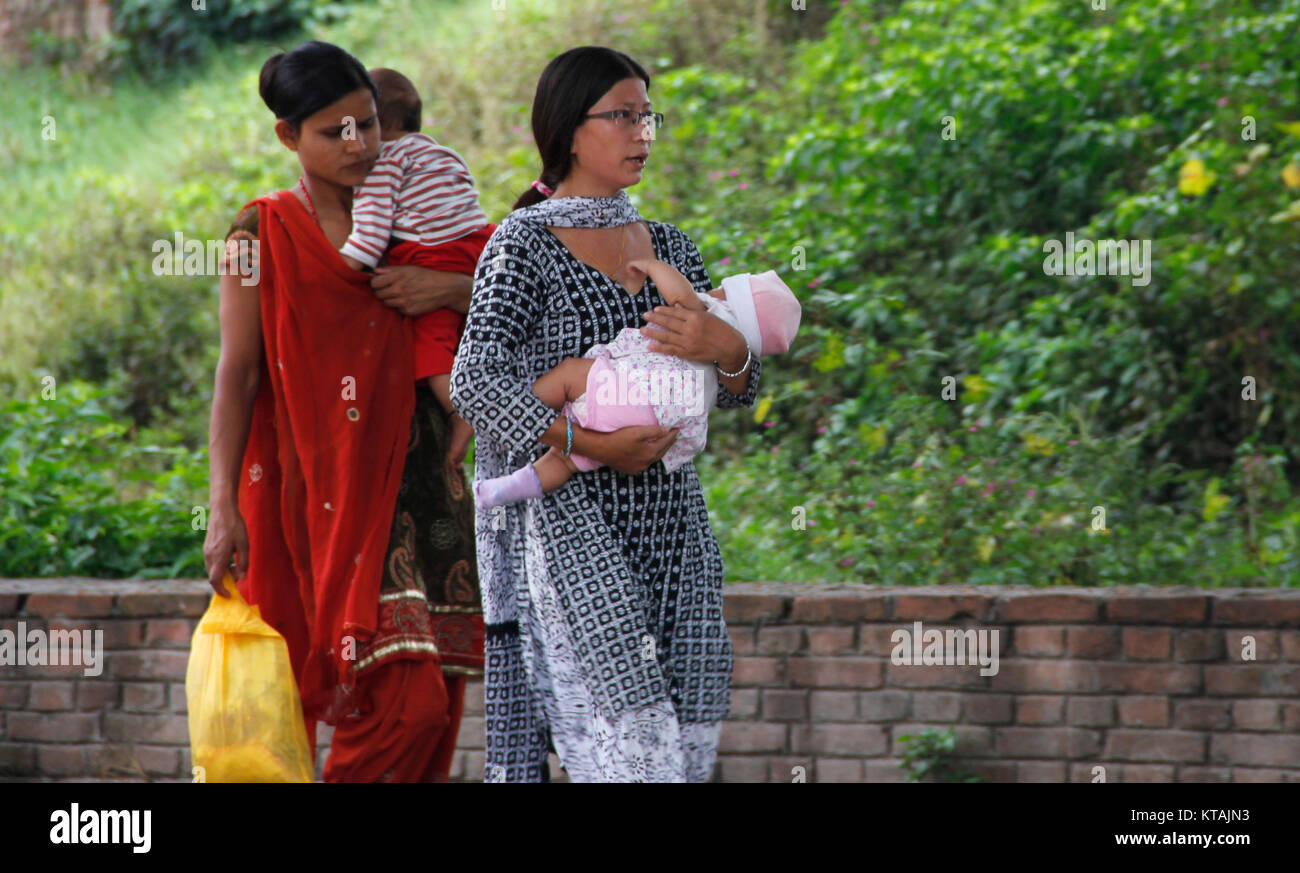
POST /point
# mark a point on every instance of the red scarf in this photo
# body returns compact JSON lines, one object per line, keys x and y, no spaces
{"x":325,"y":453}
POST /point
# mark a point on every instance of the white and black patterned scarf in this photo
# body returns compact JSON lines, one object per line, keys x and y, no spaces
{"x":581,"y":211}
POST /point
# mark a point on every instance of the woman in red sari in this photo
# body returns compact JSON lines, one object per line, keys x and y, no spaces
{"x":335,"y":485}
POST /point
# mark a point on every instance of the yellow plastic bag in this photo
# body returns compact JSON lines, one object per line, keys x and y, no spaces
{"x":245,"y":716}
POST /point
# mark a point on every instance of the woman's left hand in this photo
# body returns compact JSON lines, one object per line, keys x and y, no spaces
{"x":415,"y":290}
{"x":694,"y":336}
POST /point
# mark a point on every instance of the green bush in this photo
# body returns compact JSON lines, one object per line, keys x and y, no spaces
{"x":77,"y":498}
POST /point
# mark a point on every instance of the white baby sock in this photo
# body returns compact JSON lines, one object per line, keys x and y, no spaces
{"x":522,"y":484}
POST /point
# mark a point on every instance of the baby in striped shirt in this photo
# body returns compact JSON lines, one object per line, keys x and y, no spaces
{"x":420,"y":197}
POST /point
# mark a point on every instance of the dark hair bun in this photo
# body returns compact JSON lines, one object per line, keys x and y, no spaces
{"x":298,"y":83}
{"x":266,"y":82}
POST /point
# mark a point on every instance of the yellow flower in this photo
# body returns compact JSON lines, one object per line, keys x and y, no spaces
{"x":1194,"y":179}
{"x":1215,"y":502}
{"x":760,"y":411}
{"x":985,"y":549}
{"x":977,"y":388}
{"x":1291,"y":176}
{"x":1034,"y":444}
{"x":873,"y":436}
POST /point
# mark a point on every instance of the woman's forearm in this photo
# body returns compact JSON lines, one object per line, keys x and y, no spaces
{"x":732,"y":362}
{"x":232,"y":411}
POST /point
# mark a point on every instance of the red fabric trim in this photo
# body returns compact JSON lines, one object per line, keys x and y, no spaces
{"x":325,"y":453}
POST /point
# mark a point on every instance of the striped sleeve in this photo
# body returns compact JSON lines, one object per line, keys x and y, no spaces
{"x":373,"y":204}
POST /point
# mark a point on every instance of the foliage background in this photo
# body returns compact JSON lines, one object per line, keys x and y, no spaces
{"x":804,"y":141}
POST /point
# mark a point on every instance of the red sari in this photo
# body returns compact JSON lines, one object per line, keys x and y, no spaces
{"x":318,"y":491}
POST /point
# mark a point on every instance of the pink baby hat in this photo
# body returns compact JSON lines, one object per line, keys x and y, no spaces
{"x":766,"y":310}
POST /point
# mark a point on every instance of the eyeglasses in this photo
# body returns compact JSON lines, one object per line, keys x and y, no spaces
{"x":625,"y":118}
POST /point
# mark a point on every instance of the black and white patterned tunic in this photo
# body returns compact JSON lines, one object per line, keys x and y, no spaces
{"x":602,"y":599}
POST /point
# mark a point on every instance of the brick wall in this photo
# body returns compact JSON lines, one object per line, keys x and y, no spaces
{"x":1151,"y":684}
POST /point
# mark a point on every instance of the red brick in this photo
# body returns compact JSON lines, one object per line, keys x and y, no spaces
{"x":1204,"y":774}
{"x":1256,"y":714}
{"x":839,"y":739}
{"x":1041,"y":771}
{"x":1046,"y":742}
{"x":936,"y":706}
{"x":1267,"y":647}
{"x":780,"y":640}
{"x":61,"y":727}
{"x":879,"y":770}
{"x":1049,"y":607}
{"x":984,"y":708}
{"x":1291,"y":716}
{"x":1149,"y":678}
{"x":993,"y":771}
{"x":1090,"y":711}
{"x":785,"y":705}
{"x":747,"y":608}
{"x":742,"y":770}
{"x":1146,"y":644}
{"x":1040,"y":710}
{"x":830,"y":640}
{"x":1198,"y":644}
{"x":740,"y":736}
{"x":874,"y":639}
{"x":744,"y":703}
{"x":1279,"y":680}
{"x":1092,"y":642}
{"x":17,"y":759}
{"x":836,"y":672}
{"x":936,"y":676}
{"x":133,"y":727}
{"x":61,"y":760}
{"x":1201,"y":714}
{"x":51,"y":695}
{"x":166,"y":632}
{"x":840,"y":770}
{"x":757,"y":671}
{"x":70,"y":605}
{"x":1151,"y":745}
{"x":1264,"y":775}
{"x":1262,"y":609}
{"x":788,"y":769}
{"x":1262,"y":750}
{"x":1290,"y":645}
{"x":145,"y":605}
{"x":1090,"y":772}
{"x":9,"y":605}
{"x":13,"y":695}
{"x":1021,"y":676}
{"x":742,"y":639}
{"x":1040,"y":640}
{"x":95,"y":694}
{"x":882,"y":705}
{"x":149,"y":664}
{"x":1144,"y":711}
{"x":835,"y":705}
{"x":1159,"y":774}
{"x":943,"y":607}
{"x":474,"y":697}
{"x":176,"y":694}
{"x":116,"y":761}
{"x":838,"y":609}
{"x":143,"y":695}
{"x":1158,"y":609}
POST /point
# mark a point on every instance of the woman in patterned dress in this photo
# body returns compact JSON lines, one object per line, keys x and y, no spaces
{"x":334,"y":479}
{"x":603,"y":599}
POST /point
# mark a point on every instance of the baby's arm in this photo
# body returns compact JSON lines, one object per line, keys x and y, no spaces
{"x":674,"y":287}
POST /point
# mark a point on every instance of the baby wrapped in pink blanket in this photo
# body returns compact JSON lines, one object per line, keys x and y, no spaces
{"x":623,"y":383}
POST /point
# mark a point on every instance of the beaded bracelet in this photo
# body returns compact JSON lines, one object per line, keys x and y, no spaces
{"x":568,"y":436}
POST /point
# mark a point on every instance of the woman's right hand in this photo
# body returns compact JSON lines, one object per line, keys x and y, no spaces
{"x":630,"y":450}
{"x":227,"y":536}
